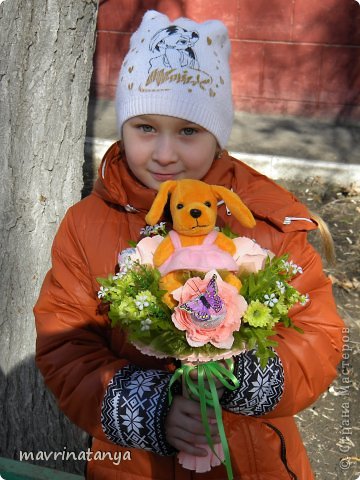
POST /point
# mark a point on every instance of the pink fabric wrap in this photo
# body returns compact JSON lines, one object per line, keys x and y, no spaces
{"x":204,"y":257}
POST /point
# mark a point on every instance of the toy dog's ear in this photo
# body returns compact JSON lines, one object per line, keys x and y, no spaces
{"x":237,"y":207}
{"x":159,"y":203}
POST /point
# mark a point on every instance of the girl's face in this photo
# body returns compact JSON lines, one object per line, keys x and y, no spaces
{"x":160,"y":148}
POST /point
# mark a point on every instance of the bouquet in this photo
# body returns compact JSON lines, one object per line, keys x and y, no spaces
{"x":212,"y":320}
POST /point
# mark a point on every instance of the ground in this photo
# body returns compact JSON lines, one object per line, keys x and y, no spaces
{"x":330,"y":428}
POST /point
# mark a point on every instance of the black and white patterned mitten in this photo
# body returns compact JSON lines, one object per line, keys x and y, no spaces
{"x":260,"y":389}
{"x":134,"y":409}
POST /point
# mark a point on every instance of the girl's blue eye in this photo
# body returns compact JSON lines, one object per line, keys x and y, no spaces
{"x":189,"y":131}
{"x":146,"y":128}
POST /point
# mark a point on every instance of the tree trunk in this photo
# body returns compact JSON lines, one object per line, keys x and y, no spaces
{"x":46,"y":51}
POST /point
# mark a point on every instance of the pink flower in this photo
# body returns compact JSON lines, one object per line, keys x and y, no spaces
{"x":249,"y":255}
{"x":143,"y":252}
{"x":218,"y":330}
{"x":146,"y":248}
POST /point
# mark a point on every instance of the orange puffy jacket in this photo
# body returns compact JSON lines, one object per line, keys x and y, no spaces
{"x":78,"y":353}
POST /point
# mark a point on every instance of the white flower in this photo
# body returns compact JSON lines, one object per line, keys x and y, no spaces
{"x":292,"y":267}
{"x":280,"y":286}
{"x":120,"y":274}
{"x":304,"y":299}
{"x":102,"y":292}
{"x":159,"y":228}
{"x":126,"y":259}
{"x":142,"y":301}
{"x":296,"y":268}
{"x":146,"y":231}
{"x":270,"y":300}
{"x":128,"y":262}
{"x":285,"y":265}
{"x":145,"y":325}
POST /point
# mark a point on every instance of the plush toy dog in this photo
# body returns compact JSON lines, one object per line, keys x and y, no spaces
{"x":193,"y":244}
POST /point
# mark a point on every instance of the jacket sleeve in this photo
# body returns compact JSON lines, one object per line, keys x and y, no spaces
{"x":73,"y":354}
{"x":309,"y":359}
{"x":305,"y":363}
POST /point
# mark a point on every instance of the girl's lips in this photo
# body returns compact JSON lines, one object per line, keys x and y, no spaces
{"x":163,"y":176}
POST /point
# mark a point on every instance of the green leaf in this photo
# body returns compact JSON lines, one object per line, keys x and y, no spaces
{"x":228,"y":232}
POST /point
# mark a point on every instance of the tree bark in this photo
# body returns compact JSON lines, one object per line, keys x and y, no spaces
{"x":46,"y":51}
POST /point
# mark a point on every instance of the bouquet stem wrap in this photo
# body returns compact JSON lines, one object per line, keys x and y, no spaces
{"x":208,"y":397}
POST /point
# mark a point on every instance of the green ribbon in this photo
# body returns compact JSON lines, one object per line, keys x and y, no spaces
{"x":208,"y":397}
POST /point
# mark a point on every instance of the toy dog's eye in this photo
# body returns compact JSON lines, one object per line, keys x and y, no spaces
{"x":208,"y":204}
{"x":179,"y":206}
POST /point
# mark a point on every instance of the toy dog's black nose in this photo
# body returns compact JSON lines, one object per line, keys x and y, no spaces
{"x":195,"y":213}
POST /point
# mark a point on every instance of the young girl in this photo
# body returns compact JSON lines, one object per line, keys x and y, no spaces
{"x":175,"y":115}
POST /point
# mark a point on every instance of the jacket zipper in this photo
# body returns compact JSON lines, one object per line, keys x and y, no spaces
{"x":283,"y":450}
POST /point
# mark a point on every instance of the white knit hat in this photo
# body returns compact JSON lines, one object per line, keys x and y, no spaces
{"x":180,"y":69}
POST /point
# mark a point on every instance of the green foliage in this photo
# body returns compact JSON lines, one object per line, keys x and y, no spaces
{"x":259,"y":339}
{"x":136,"y":304}
{"x":228,"y":232}
{"x":254,"y":284}
{"x":269,"y":288}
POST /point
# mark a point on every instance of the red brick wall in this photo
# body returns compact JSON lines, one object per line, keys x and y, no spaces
{"x":298,"y":57}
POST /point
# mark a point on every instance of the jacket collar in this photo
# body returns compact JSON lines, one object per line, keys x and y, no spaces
{"x":267,"y":200}
{"x":117,"y":185}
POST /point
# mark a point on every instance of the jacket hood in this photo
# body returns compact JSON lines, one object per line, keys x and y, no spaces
{"x":117,"y":185}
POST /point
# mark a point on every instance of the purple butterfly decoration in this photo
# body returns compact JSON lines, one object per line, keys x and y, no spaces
{"x":202,"y":305}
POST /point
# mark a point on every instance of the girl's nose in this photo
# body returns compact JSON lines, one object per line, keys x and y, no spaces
{"x":164,"y":150}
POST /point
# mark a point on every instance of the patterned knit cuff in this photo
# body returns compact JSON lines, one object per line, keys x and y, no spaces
{"x":260,"y":389}
{"x":135,"y":407}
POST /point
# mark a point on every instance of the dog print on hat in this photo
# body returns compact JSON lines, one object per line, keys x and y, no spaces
{"x":173,"y":47}
{"x":174,"y":60}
